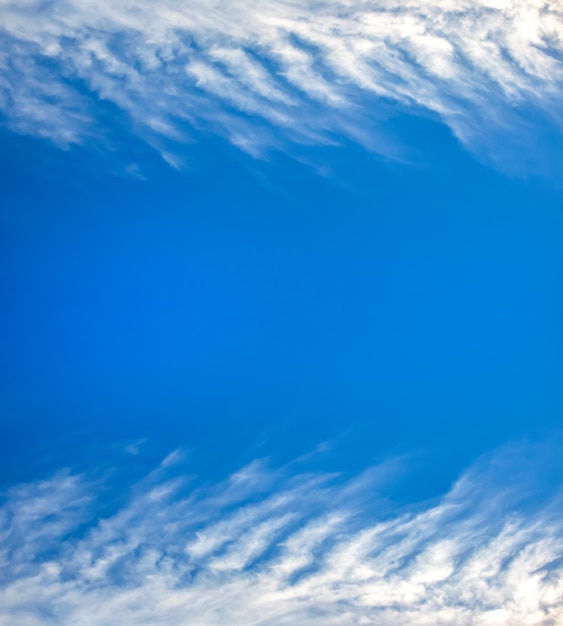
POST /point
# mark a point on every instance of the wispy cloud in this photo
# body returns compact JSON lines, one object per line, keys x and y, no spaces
{"x":274,"y":548}
{"x":268,"y":73}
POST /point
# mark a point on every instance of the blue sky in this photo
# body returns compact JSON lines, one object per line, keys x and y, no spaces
{"x":294,"y":269}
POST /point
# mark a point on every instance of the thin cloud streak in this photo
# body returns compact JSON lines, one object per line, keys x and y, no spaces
{"x":268,"y":73}
{"x":276,"y":548}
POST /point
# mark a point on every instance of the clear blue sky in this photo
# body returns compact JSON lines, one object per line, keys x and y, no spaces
{"x":417,"y":305}
{"x":247,"y":239}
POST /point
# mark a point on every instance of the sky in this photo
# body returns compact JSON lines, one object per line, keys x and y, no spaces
{"x":280,"y":303}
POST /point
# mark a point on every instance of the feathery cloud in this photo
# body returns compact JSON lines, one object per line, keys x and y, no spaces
{"x":268,"y":73}
{"x":271,"y":547}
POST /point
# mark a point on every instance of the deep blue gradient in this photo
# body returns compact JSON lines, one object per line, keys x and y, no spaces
{"x":248,"y":308}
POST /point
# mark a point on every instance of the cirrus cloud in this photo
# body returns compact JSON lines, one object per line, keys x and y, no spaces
{"x":271,"y":73}
{"x":276,"y":547}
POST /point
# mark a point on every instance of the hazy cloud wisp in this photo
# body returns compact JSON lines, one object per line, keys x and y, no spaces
{"x":268,"y":73}
{"x":275,"y":548}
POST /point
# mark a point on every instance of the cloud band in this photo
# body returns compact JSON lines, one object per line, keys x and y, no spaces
{"x":269,"y":73}
{"x":276,"y":548}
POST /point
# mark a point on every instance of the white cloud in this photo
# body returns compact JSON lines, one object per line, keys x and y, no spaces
{"x":270,"y":72}
{"x":275,"y":548}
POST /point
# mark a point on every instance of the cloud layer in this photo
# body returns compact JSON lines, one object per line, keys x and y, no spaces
{"x":267,"y":73}
{"x":277,"y":548}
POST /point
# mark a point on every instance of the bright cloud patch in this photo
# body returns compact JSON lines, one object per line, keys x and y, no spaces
{"x":276,"y":548}
{"x":265,"y":73}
